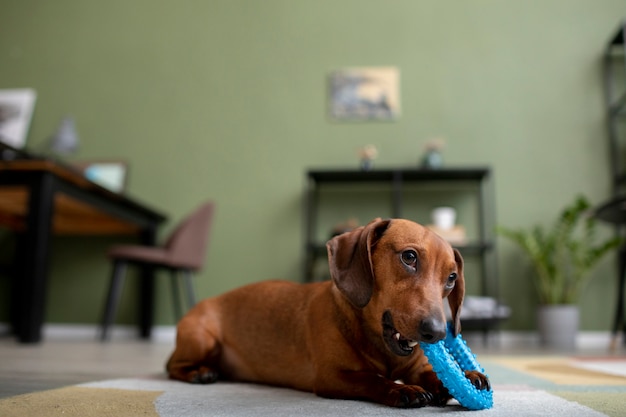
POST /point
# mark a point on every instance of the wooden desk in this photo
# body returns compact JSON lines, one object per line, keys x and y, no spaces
{"x":39,"y":197}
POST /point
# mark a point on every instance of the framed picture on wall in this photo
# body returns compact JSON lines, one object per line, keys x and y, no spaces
{"x":16,"y":110}
{"x":368,"y":93}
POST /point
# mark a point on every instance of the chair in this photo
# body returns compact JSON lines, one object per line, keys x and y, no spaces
{"x":183,"y":252}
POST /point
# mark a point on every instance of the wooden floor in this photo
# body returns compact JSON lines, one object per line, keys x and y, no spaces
{"x":66,"y":360}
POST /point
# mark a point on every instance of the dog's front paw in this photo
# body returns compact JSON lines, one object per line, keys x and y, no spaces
{"x":199,"y":375}
{"x":203,"y":375}
{"x":409,"y":396}
{"x":479,"y":380}
{"x":440,"y":398}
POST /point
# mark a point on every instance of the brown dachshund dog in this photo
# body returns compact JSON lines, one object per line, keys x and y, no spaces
{"x":354,"y":337}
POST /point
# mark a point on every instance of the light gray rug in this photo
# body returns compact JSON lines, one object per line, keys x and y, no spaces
{"x":247,"y":400}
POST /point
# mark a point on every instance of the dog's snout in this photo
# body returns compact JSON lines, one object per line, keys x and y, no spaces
{"x":432,"y":330}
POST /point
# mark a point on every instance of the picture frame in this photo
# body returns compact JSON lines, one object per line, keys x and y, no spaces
{"x":367,"y":93}
{"x":16,"y":110}
{"x":110,"y":174}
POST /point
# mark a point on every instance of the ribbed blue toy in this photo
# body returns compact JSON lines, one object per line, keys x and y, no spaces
{"x":450,"y":358}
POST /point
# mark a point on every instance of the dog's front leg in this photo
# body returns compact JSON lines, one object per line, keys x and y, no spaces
{"x":372,"y":387}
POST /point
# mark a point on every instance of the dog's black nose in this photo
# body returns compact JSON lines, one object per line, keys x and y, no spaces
{"x":432,"y":330}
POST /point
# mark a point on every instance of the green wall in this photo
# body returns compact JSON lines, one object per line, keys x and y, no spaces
{"x":226,"y":99}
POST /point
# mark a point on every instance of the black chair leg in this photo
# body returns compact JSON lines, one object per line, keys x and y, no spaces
{"x":191,"y":296}
{"x":113,"y":297}
{"x":178,"y":311}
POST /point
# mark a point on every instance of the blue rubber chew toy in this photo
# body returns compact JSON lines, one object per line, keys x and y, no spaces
{"x":450,"y":358}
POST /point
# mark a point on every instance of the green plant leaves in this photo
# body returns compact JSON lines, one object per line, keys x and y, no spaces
{"x":564,"y":254}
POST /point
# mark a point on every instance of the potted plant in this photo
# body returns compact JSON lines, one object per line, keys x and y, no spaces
{"x":563,"y":256}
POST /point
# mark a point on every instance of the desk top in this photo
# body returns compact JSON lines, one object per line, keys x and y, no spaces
{"x":80,"y":206}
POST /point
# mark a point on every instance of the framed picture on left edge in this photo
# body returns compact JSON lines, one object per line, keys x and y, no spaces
{"x":16,"y":110}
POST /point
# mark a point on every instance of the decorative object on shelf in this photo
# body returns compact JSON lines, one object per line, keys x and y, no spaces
{"x":444,"y":219}
{"x":16,"y":109}
{"x":367,"y":154}
{"x":433,"y":158}
{"x":369,"y":93}
{"x":344,"y":227}
{"x":65,"y":139}
{"x":563,"y":257}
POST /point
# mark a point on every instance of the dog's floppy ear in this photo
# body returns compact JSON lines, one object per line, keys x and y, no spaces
{"x":455,"y":298}
{"x":350,"y":261}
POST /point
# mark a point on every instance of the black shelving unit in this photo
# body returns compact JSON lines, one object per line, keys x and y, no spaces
{"x":397,"y":180}
{"x":615,"y":98}
{"x":614,"y":210}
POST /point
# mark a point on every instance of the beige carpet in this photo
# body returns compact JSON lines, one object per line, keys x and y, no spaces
{"x":80,"y":401}
{"x":607,"y":371}
{"x":596,"y":382}
{"x":523,"y":386}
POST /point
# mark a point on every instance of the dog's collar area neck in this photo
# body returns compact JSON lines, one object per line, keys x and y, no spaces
{"x":397,"y":343}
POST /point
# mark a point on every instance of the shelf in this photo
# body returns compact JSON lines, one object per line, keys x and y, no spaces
{"x":398,"y":178}
{"x":406,"y":174}
{"x":614,"y":210}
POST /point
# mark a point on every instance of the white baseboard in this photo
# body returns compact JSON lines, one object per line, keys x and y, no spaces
{"x":498,"y":340}
{"x":88,"y":332}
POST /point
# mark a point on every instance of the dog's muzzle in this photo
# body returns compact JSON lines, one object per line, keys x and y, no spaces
{"x":431,"y":330}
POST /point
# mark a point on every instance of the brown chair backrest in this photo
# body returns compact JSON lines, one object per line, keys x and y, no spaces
{"x":188,"y":243}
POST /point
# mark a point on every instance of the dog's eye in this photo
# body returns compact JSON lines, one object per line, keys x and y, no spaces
{"x":409,"y":258}
{"x":451,"y":280}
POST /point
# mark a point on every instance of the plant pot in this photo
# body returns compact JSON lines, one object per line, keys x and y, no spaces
{"x":558,"y":326}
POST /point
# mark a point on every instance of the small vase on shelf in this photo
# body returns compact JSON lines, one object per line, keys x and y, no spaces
{"x":367,"y":154}
{"x":433,"y":158}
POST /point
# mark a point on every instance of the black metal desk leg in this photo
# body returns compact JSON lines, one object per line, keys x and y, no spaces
{"x":32,"y":265}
